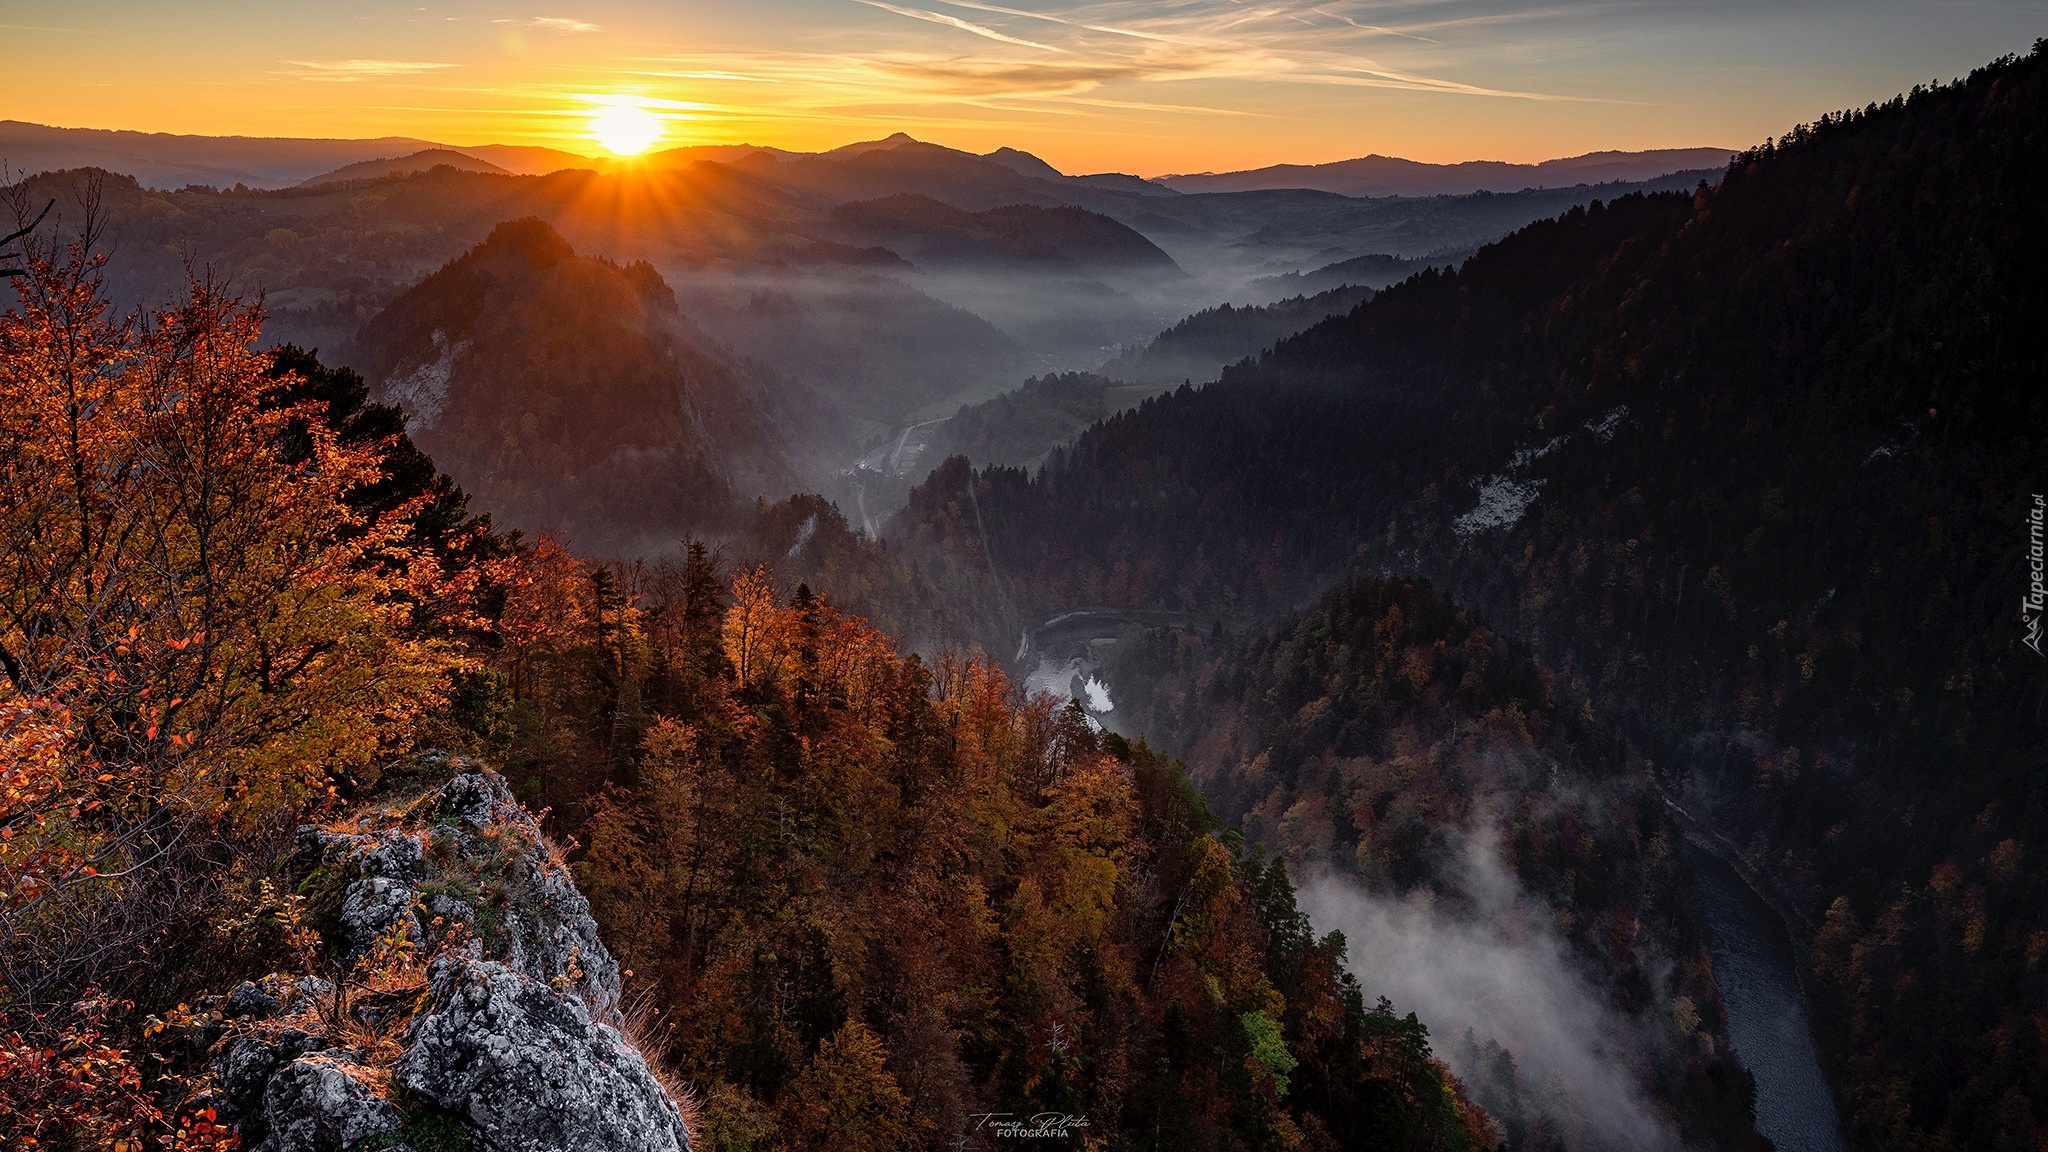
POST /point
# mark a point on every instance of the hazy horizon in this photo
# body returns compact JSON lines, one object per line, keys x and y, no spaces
{"x":1089,"y":86}
{"x":595,"y":152}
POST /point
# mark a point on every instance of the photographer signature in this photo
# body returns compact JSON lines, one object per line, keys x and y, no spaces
{"x":1009,"y":1125}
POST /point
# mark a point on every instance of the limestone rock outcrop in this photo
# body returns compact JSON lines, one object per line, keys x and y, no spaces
{"x":471,"y":1003}
{"x":530,"y":1069}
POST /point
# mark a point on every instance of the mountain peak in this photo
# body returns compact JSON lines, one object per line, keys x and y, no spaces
{"x":532,"y":239}
{"x":421,"y":161}
{"x":1023,"y":163}
{"x":891,"y":141}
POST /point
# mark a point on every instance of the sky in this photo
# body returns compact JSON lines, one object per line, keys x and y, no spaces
{"x":1089,"y":85}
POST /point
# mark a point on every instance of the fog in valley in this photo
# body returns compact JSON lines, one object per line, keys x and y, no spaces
{"x":1486,"y":972}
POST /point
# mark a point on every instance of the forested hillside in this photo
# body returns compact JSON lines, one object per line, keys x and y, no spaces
{"x":1387,"y":740}
{"x":1197,"y":348}
{"x":1750,"y":469}
{"x":871,"y":899}
{"x":571,"y":394}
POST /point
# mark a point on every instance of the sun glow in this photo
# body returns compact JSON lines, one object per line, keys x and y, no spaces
{"x":625,"y":129}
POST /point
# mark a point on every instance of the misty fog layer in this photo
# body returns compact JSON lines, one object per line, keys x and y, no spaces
{"x":1496,"y":967}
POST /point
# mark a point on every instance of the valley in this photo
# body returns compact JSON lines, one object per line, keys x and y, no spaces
{"x":886,"y":284}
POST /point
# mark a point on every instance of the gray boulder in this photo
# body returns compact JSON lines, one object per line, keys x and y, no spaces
{"x":244,"y":1064}
{"x":321,"y":1102}
{"x":249,"y":1000}
{"x":530,"y":1070}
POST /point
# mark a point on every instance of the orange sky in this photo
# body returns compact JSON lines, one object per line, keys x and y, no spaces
{"x":1090,"y":85}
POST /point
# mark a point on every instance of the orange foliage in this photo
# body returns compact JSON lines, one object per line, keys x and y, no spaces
{"x":77,"y":1088}
{"x":194,"y":624}
{"x":873,"y":900}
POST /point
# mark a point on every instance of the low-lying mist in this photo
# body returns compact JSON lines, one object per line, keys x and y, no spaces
{"x":1491,"y":962}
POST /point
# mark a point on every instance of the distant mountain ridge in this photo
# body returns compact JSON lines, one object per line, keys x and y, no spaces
{"x":173,"y":160}
{"x":165,"y":160}
{"x":421,"y":161}
{"x":168,"y":160}
{"x":1377,"y":175}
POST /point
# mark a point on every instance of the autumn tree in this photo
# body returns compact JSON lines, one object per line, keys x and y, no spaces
{"x":197,"y":631}
{"x":846,"y":1098}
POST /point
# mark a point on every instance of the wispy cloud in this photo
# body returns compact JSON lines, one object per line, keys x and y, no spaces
{"x":1395,"y":45}
{"x":1050,"y":18}
{"x":348,"y":71}
{"x":737,"y":77}
{"x":1375,"y":29}
{"x":563,"y":24}
{"x":956,"y":22}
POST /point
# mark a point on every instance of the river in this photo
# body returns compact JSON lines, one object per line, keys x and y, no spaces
{"x":1753,"y":963}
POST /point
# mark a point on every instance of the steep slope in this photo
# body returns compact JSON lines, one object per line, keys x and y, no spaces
{"x":1415,"y":764}
{"x":1752,"y":468}
{"x":568,"y":394}
{"x":885,"y":904}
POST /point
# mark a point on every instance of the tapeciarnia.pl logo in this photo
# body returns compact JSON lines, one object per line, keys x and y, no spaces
{"x":2036,"y":599}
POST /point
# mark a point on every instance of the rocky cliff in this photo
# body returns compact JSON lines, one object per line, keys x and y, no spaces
{"x":453,"y":994}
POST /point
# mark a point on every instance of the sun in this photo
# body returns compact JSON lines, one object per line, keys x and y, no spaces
{"x":625,"y":129}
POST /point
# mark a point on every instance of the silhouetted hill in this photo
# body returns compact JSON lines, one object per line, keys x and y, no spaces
{"x":1375,"y":270}
{"x":1024,"y":164}
{"x":420,"y":161}
{"x":1378,"y":175}
{"x":164,"y":160}
{"x":569,"y":395}
{"x":1197,"y":348}
{"x":1753,"y":469}
{"x":937,"y":234}
{"x":897,"y":165}
{"x":529,"y":159}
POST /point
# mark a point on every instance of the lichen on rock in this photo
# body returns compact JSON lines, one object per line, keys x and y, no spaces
{"x":530,"y":1069}
{"x":471,"y":993}
{"x":325,"y":1100}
